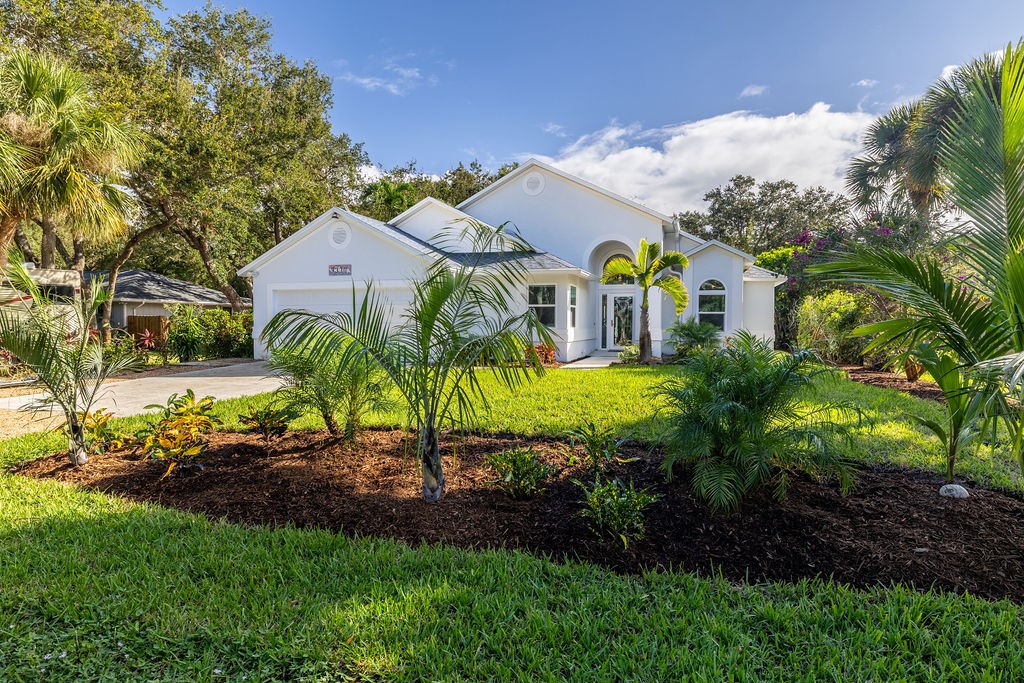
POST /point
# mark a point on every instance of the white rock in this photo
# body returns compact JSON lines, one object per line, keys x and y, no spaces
{"x":953,"y":491}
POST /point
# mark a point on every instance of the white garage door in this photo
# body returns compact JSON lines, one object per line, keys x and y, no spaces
{"x":339,"y":299}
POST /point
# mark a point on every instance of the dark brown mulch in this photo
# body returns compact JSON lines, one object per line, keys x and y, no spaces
{"x":891,"y":380}
{"x":894,"y":528}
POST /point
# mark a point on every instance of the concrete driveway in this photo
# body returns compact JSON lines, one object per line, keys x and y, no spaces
{"x":131,"y":396}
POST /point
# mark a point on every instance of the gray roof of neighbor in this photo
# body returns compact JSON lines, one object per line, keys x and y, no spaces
{"x":143,"y":285}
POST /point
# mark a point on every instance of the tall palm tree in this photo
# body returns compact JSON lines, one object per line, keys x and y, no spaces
{"x":54,"y":340}
{"x":386,"y":199}
{"x":649,"y":271}
{"x":979,"y":320}
{"x":59,"y":156}
{"x":902,"y":148}
{"x":461,"y":323}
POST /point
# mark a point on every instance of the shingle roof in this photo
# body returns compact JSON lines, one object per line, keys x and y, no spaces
{"x":143,"y":285}
{"x":536,"y":260}
{"x":759,"y":273}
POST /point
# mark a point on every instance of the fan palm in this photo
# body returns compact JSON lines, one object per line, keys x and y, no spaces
{"x":53,"y":339}
{"x":980,"y":319}
{"x":59,"y":156}
{"x":386,"y":199}
{"x":649,"y":271}
{"x":461,"y":321}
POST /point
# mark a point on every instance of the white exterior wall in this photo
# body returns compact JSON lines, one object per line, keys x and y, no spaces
{"x":565,"y":219}
{"x":759,"y":308}
{"x":571,"y":342}
{"x":298,"y":277}
{"x":715,"y":263}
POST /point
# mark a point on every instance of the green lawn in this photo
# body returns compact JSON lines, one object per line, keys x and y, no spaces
{"x":93,"y":587}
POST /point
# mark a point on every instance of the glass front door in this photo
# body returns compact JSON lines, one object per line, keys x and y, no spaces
{"x":622,"y":321}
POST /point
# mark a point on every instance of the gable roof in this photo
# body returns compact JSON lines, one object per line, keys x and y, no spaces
{"x":143,"y":286}
{"x":721,"y":245}
{"x":409,"y":242}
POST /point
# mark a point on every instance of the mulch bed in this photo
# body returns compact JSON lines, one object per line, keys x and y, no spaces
{"x":893,"y":529}
{"x":891,"y":380}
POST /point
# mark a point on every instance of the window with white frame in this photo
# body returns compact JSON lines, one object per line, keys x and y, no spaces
{"x":572,"y":306}
{"x":542,"y":302}
{"x":711,"y":303}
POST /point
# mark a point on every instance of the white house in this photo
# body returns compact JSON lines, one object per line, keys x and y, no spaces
{"x":575,"y":227}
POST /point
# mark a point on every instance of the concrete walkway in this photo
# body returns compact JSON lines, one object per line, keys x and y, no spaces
{"x":598,"y":359}
{"x":131,"y":397}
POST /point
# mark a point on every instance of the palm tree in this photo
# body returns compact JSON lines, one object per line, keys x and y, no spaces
{"x":902,"y":148}
{"x":59,"y":156}
{"x":54,"y":340}
{"x":385,"y":199}
{"x":647,"y":272}
{"x":979,"y":320}
{"x":460,"y":322}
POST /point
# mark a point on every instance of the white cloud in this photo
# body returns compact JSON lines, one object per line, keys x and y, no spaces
{"x":754,"y":90}
{"x":671,"y":168}
{"x":393,"y":77}
{"x":948,"y":71}
{"x":556,"y":129}
{"x":865,"y":83}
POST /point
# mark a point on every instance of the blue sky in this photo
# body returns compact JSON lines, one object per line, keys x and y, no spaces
{"x":657,"y":100}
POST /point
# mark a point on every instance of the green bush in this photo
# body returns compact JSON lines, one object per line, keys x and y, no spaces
{"x":825,"y":324}
{"x":630,"y":353}
{"x":340,"y":392}
{"x":520,"y":472}
{"x":269,"y":421}
{"x":689,"y":336}
{"x":122,"y":347}
{"x":600,"y":446}
{"x":180,"y":435}
{"x":195,"y":333}
{"x":737,"y":419}
{"x":615,"y":510}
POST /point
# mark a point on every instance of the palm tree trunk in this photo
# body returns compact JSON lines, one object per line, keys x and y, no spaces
{"x":48,"y":245}
{"x":433,"y":474}
{"x":76,"y":442}
{"x":21,"y":239}
{"x":8,"y":226}
{"x":645,"y":333}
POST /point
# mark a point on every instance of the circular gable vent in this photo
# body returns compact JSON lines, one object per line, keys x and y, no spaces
{"x":533,"y":184}
{"x":341,"y":235}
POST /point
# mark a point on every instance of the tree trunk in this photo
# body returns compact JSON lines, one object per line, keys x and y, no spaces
{"x":78,"y":263}
{"x":76,"y":443}
{"x":433,"y":474}
{"x":278,"y":235}
{"x":332,"y":424}
{"x":202,"y":246}
{"x":645,"y":332}
{"x":8,"y":226}
{"x":48,"y":245}
{"x":115,"y":269}
{"x":21,"y":239}
{"x":64,"y":254}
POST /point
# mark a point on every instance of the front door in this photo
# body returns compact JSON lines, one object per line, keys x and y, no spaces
{"x":616,"y":321}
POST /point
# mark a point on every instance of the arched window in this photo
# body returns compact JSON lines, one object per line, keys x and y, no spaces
{"x":711,"y":303}
{"x":619,"y":279}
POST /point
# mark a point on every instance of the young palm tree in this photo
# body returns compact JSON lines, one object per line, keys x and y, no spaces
{"x":461,"y":322}
{"x":54,"y":340}
{"x":650,"y":271}
{"x":979,"y":320}
{"x":59,"y":157}
{"x":387,"y":199}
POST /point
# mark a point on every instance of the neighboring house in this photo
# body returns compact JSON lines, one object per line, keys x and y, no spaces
{"x":575,"y":226}
{"x":141,"y":293}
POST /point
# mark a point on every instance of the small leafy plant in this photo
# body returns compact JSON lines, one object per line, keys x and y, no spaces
{"x":690,"y":336}
{"x":545,"y":353}
{"x":180,"y":435}
{"x":630,"y":353}
{"x":270,"y":421}
{"x":617,"y":510}
{"x":99,"y":435}
{"x":520,"y":472}
{"x":600,"y":447}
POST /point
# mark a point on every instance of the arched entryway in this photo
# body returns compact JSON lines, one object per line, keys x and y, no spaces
{"x":617,"y":303}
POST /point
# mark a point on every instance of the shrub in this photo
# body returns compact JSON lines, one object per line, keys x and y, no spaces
{"x":600,"y":446}
{"x":180,"y":435}
{"x":122,"y":347}
{"x":689,"y":336}
{"x":520,"y":472}
{"x":194,"y":333}
{"x":545,"y":353}
{"x":736,"y":419}
{"x":99,"y":435}
{"x":826,"y":323}
{"x":270,"y":421}
{"x":340,"y":392}
{"x":630,"y":353}
{"x":615,"y":510}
